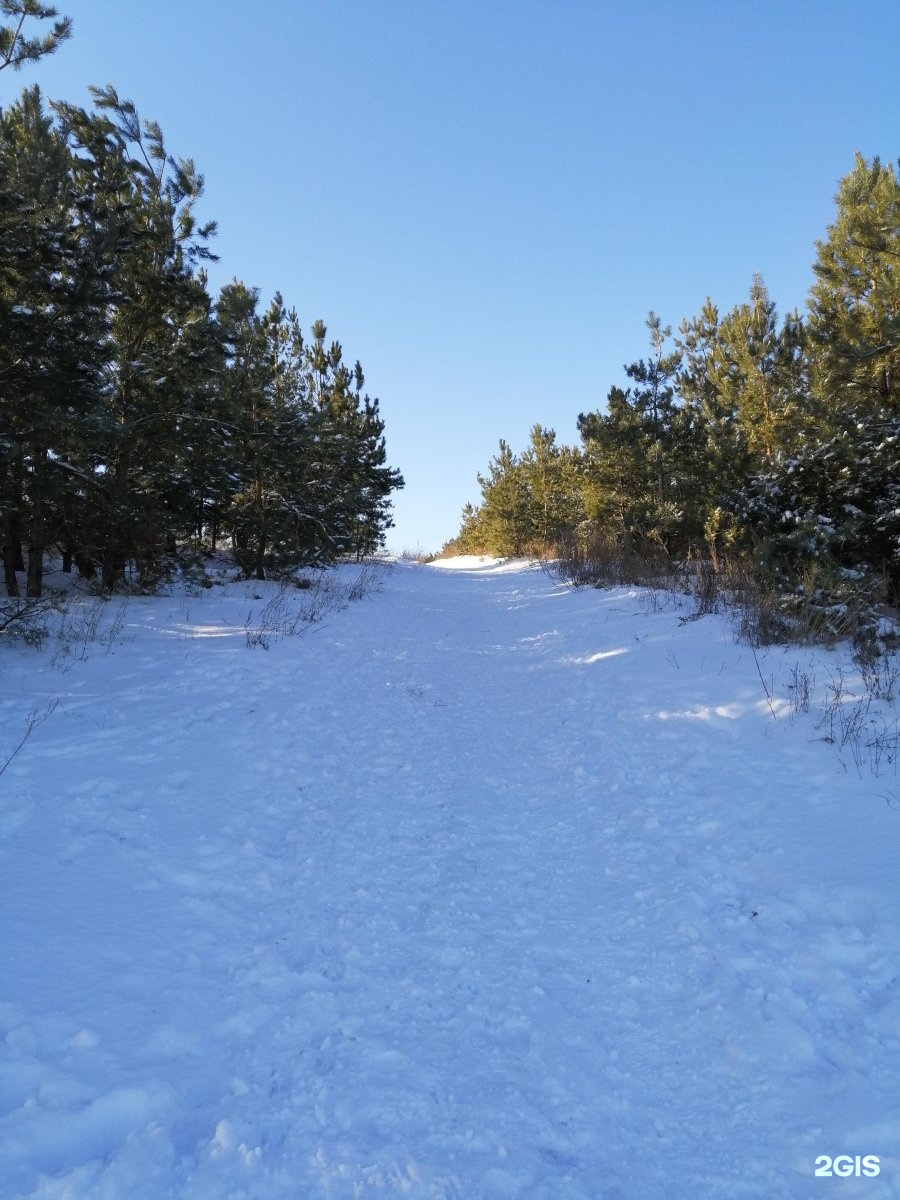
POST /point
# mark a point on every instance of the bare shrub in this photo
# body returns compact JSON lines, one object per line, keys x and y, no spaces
{"x":884,"y":747}
{"x":83,"y":625}
{"x":590,"y":558}
{"x":800,"y":688}
{"x":753,"y":602}
{"x":35,"y":718}
{"x":706,"y":588}
{"x":26,"y":618}
{"x":850,"y":723}
{"x":369,"y":581}
{"x":879,"y":668}
{"x":278,"y":619}
{"x":281,"y":617}
{"x":586,"y":561}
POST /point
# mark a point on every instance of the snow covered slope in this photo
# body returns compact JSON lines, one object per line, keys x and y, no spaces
{"x":483,"y":888}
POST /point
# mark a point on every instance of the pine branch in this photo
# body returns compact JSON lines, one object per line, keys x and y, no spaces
{"x":16,"y":50}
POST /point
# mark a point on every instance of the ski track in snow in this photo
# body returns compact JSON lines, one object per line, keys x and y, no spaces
{"x":482,"y":888}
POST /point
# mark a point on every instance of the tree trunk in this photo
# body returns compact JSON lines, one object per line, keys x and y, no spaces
{"x":16,"y":539}
{"x":262,"y":535}
{"x":37,"y":533}
{"x":260,"y":572}
{"x":113,"y":567}
{"x":118,"y":548}
{"x":14,"y":515}
{"x":9,"y":553}
{"x":8,"y":533}
{"x":85,"y":565}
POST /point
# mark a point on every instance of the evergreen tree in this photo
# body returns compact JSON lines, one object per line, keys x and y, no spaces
{"x":503,"y":522}
{"x":15,"y":48}
{"x":553,"y":488}
{"x":855,"y":302}
{"x":529,"y":502}
{"x":759,"y":374}
{"x":655,"y":395}
{"x":132,"y":415}
{"x":254,"y":391}
{"x":632,"y":454}
{"x":830,"y":511}
{"x":372,"y":480}
{"x":717,"y":454}
{"x":160,"y":303}
{"x":350,"y":481}
{"x":780,"y":440}
{"x":55,"y":293}
{"x":311,"y":480}
{"x":619,"y":477}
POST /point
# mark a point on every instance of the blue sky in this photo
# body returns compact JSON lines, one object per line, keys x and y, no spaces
{"x":483,"y":200}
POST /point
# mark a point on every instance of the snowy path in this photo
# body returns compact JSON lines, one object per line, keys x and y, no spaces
{"x":484,"y":888}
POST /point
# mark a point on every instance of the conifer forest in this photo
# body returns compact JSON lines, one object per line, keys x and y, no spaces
{"x":744,"y":440}
{"x":140,"y":415}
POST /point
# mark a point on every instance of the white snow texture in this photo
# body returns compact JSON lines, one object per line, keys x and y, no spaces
{"x":482,"y":888}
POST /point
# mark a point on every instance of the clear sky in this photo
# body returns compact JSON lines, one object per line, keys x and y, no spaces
{"x":484,"y":198}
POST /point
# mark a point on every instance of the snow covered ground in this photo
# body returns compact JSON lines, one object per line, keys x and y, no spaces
{"x":482,"y":888}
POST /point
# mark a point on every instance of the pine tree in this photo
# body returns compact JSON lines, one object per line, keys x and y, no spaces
{"x":248,"y":387}
{"x":134,"y":415}
{"x":530,"y":503}
{"x":373,"y":481}
{"x":618,"y":467}
{"x":160,"y":303}
{"x":760,"y":377}
{"x":632,"y":453}
{"x":15,"y":48}
{"x":829,"y":512}
{"x":539,"y":469}
{"x":504,"y":523}
{"x":350,"y":481}
{"x":55,"y":294}
{"x":310,"y":477}
{"x":655,"y":395}
{"x":855,"y":302}
{"x":717,"y":454}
